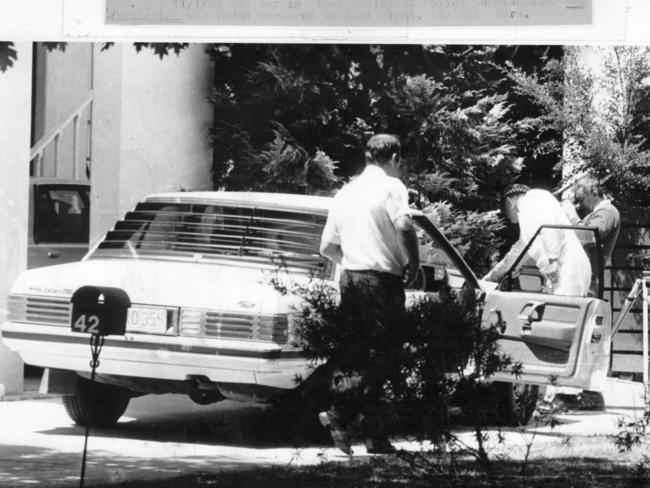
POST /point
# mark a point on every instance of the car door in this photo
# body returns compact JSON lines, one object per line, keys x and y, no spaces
{"x":558,"y":328}
{"x":442,"y":270}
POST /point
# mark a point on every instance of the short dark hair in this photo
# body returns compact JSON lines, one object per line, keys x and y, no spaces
{"x":381,"y":147}
{"x":590,"y":185}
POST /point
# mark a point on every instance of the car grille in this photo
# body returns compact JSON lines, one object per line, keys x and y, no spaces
{"x":41,"y":310}
{"x":225,"y":325}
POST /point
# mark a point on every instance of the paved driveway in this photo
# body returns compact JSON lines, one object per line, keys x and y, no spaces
{"x":168,"y":435}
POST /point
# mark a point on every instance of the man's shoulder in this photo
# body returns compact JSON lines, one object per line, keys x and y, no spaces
{"x":606,"y":211}
{"x":609,"y":209}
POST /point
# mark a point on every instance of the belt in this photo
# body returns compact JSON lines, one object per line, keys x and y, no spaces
{"x":372,"y":272}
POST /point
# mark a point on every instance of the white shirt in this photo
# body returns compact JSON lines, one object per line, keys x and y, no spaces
{"x":537,"y":208}
{"x":362,"y":221}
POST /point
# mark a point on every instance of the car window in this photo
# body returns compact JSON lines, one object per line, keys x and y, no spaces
{"x":558,"y":261}
{"x":61,"y":215}
{"x":438,"y":267}
{"x":209,"y":231}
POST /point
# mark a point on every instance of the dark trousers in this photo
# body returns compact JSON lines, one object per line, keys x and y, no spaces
{"x":373,"y":305}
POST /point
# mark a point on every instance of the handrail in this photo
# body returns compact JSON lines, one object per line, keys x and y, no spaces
{"x":44,"y":141}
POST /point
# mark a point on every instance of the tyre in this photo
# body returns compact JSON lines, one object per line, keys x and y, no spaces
{"x":96,"y":405}
{"x":516,"y":403}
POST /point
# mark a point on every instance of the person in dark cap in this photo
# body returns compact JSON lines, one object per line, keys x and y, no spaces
{"x":557,"y":253}
{"x":509,"y":204}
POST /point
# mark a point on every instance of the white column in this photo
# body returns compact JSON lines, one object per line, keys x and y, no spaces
{"x":15,"y":100}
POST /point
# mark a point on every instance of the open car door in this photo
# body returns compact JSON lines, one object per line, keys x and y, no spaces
{"x":554,"y":324}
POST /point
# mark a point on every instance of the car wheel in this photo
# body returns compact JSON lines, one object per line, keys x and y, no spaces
{"x":96,"y":405}
{"x":515,"y":402}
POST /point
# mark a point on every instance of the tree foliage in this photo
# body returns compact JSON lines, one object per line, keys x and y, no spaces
{"x":296,"y":117}
{"x":602,"y":111}
{"x":445,"y":103}
{"x":8,"y":55}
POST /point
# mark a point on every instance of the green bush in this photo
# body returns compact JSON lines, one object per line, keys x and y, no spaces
{"x":439,"y":354}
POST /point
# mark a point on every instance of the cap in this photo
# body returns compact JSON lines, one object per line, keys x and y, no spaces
{"x":516,"y":189}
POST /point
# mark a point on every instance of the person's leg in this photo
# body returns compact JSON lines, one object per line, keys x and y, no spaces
{"x":337,"y":417}
{"x":388,"y":305}
{"x":344,"y":384}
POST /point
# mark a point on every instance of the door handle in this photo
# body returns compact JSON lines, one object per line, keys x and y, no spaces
{"x":532,"y":312}
{"x":53,"y":254}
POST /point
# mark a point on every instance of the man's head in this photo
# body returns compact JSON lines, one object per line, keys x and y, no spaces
{"x":384,"y":150}
{"x":587,"y":193}
{"x":510,"y":202}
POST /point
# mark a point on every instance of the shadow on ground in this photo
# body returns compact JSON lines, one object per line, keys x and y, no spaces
{"x":28,"y":465}
{"x":251,"y":427}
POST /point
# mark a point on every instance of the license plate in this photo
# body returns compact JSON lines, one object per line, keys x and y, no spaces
{"x":150,"y":320}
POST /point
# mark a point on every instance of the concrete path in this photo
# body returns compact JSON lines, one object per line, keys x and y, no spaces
{"x":164,"y":436}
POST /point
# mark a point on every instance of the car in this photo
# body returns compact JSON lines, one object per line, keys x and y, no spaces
{"x":190,"y":273}
{"x":59,"y":218}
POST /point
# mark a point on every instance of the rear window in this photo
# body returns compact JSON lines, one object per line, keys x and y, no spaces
{"x":203,"y":232}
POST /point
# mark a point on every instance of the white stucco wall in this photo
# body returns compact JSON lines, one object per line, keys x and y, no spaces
{"x":65,"y":85}
{"x":15,"y":100}
{"x":106,"y":146}
{"x":151,"y":121}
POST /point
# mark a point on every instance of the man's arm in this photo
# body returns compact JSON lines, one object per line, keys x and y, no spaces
{"x":605,"y":222}
{"x":406,"y":231}
{"x":503,"y":266}
{"x":331,"y":251}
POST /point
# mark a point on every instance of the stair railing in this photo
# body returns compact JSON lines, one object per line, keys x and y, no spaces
{"x":37,"y":152}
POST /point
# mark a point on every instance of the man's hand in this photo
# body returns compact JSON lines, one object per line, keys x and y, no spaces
{"x":552,"y":272}
{"x":570,"y":211}
{"x":331,"y":251}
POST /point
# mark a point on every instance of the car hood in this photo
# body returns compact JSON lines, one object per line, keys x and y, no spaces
{"x":198,"y":285}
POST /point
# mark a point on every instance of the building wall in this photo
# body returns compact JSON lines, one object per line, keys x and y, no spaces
{"x":151,"y":120}
{"x":106,"y":153}
{"x":63,"y":83}
{"x":165,"y":122}
{"x":15,"y":100}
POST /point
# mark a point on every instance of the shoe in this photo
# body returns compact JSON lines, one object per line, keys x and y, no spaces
{"x":338,"y":434}
{"x":379,"y":446}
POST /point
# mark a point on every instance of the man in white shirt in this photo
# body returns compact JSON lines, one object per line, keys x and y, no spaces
{"x":370,"y":234}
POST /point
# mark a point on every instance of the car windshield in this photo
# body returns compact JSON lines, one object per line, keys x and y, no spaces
{"x":204,"y":232}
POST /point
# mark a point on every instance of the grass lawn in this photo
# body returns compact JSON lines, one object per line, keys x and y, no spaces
{"x":589,"y":461}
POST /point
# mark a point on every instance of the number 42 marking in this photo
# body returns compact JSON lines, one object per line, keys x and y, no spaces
{"x":90,"y":324}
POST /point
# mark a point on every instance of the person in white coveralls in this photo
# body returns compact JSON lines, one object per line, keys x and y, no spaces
{"x":557,"y":253}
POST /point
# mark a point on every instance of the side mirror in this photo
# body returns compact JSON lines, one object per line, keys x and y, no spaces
{"x":531,"y":283}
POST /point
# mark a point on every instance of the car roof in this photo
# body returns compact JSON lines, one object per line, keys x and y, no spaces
{"x":244,"y":198}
